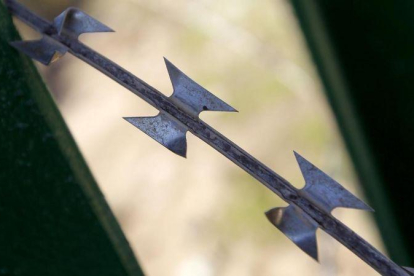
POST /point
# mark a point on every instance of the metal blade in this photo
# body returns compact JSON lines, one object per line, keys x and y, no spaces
{"x":409,"y":269}
{"x":165,"y":130}
{"x":191,"y":96}
{"x":297,"y":226}
{"x":325,"y":192}
{"x":45,"y":50}
{"x":74,"y":22}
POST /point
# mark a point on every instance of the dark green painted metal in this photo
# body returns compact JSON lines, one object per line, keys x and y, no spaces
{"x":53,"y":218}
{"x":364,"y":51}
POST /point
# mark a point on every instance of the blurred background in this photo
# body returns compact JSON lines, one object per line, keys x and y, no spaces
{"x":203,"y":215}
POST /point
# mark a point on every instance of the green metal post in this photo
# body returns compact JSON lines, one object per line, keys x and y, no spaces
{"x":53,"y":218}
{"x":364,"y":51}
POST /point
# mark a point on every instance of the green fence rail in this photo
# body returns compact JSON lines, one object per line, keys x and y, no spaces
{"x":364,"y":51}
{"x":53,"y":218}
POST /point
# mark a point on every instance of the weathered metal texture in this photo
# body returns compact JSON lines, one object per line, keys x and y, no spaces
{"x":297,"y":226}
{"x":196,"y":126}
{"x":364,"y":52}
{"x":44,"y":50}
{"x":74,"y":22}
{"x":53,"y":218}
{"x":410,"y":270}
{"x":165,"y":130}
{"x":325,"y":192}
{"x":192,"y":97}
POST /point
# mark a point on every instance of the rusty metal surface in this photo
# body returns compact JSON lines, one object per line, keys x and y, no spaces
{"x":304,"y":203}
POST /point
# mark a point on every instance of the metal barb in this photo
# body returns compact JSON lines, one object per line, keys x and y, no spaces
{"x":165,"y":130}
{"x":410,"y":270}
{"x":74,"y":22}
{"x":308,"y":210}
{"x":45,"y":50}
{"x":325,"y":192}
{"x":191,"y":96}
{"x":297,"y":226}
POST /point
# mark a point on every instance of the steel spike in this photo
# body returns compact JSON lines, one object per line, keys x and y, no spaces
{"x":191,"y":96}
{"x":409,"y":269}
{"x":297,"y":226}
{"x":165,"y":130}
{"x":44,"y":50}
{"x":325,"y":192}
{"x":74,"y":22}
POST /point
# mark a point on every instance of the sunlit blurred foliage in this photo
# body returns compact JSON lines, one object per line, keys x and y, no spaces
{"x":51,"y":8}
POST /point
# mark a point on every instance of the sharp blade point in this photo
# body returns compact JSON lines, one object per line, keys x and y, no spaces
{"x":324,"y":191}
{"x":165,"y":130}
{"x":191,"y":95}
{"x":409,"y":269}
{"x":297,"y":226}
{"x":73,"y":22}
{"x":44,"y":50}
